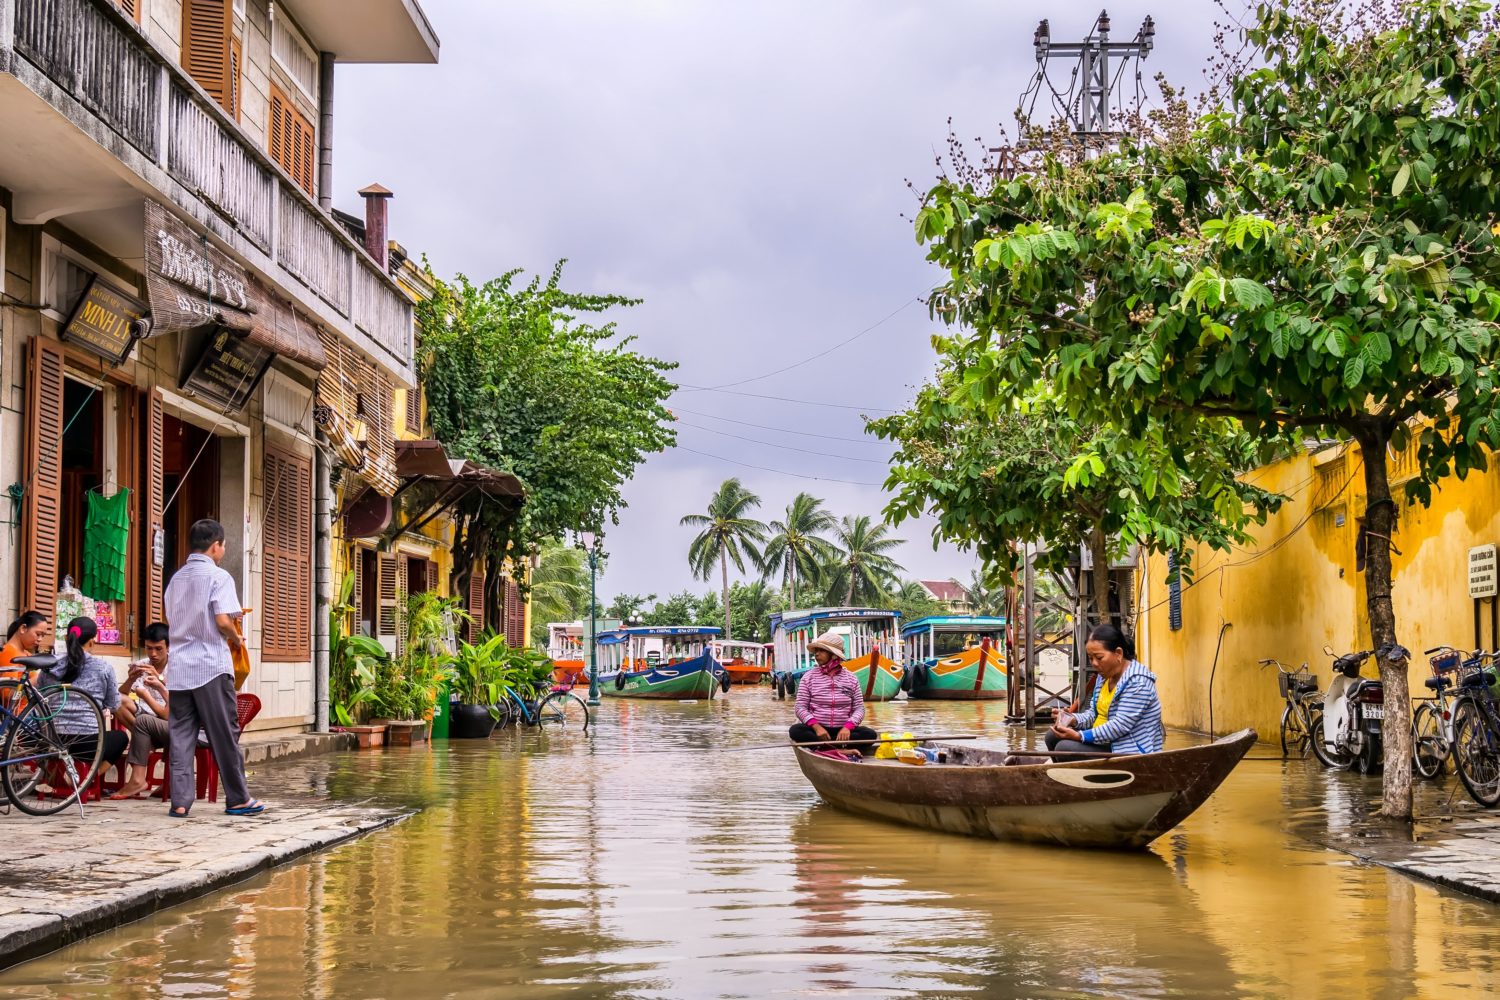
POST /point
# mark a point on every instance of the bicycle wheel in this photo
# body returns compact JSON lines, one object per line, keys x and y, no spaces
{"x":1475,"y":754}
{"x":1429,"y":749}
{"x":34,"y":734}
{"x":1294,"y":731}
{"x":1327,"y":756}
{"x":565,"y":711}
{"x":505,"y":713}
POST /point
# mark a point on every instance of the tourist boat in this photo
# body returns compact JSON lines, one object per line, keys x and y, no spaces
{"x":673,"y":662}
{"x":565,"y":650}
{"x":955,"y":658}
{"x":1125,"y":801}
{"x":872,"y":648}
{"x":745,"y":662}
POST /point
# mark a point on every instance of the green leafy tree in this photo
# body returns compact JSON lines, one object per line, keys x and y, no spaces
{"x":861,"y":570}
{"x":913,"y":601}
{"x":515,"y":380}
{"x":728,"y":535}
{"x":1312,"y":254}
{"x":677,"y":609}
{"x":986,"y":598}
{"x":559,"y":588}
{"x":629,"y":607}
{"x":795,"y":546}
{"x":753,"y":604}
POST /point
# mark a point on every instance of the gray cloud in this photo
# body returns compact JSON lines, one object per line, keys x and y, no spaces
{"x":741,"y":168}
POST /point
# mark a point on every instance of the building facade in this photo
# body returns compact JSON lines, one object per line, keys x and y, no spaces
{"x":177,"y":304}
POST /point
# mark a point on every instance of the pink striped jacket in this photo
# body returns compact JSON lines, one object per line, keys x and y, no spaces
{"x":830,"y":696}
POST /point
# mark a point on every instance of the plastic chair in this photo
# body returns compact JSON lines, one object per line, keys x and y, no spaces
{"x":206,"y":770}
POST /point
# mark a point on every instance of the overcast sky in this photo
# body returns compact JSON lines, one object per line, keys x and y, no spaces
{"x":741,"y":168}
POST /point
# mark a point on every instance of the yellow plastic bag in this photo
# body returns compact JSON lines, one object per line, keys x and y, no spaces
{"x":240,"y":656}
{"x":887,"y":751}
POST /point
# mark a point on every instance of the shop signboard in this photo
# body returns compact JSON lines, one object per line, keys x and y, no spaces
{"x":191,"y":283}
{"x":228,"y":370}
{"x":105,"y":321}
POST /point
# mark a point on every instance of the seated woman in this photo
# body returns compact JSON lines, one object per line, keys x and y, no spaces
{"x":76,"y":722}
{"x":830,"y":705}
{"x":1125,"y":713}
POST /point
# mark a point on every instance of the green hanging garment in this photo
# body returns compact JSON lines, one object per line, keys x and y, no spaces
{"x":106,"y":536}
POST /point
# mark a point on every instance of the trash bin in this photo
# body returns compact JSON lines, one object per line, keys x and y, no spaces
{"x":440,"y":713}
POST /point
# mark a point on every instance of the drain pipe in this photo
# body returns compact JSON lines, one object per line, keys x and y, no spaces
{"x":325,"y":131}
{"x":1217,"y":647}
{"x":322,"y":582}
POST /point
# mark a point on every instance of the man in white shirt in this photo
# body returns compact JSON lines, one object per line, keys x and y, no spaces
{"x":144,"y":709}
{"x":202,"y":609}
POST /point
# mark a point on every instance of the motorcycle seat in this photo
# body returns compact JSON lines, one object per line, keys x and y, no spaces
{"x":1305,"y":687}
{"x":1438,"y":683}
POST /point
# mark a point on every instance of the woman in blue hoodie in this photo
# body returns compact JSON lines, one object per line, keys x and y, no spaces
{"x":1124,"y":715}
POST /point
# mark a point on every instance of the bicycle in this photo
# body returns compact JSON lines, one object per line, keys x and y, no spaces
{"x":1432,"y":722}
{"x":561,"y":708}
{"x":1301,"y":713}
{"x":31,"y":745}
{"x":1476,"y":735}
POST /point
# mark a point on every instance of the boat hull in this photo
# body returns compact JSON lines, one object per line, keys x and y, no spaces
{"x":747,"y":674}
{"x":974,"y":675}
{"x":695,"y":678}
{"x":569,"y":671}
{"x":1121,"y":802}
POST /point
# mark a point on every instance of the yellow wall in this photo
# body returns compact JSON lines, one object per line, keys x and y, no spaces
{"x":1295,"y":588}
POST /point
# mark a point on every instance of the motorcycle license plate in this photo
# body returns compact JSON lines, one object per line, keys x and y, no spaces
{"x":1373,"y":711}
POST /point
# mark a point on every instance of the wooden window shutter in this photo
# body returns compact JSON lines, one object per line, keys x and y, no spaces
{"x":207,"y":26}
{"x":476,"y":606}
{"x":515,"y":615}
{"x":433,"y":584}
{"x":286,"y":557}
{"x":41,"y":524}
{"x":154,"y":500}
{"x":236,"y":70}
{"x":131,"y":7}
{"x":385,"y":627}
{"x":414,"y":410}
{"x":357,"y":596}
{"x":403,"y":587}
{"x":293,"y":140}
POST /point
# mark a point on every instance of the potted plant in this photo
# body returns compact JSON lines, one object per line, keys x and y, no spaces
{"x":479,"y":676}
{"x":409,"y":694}
{"x":354,"y":663}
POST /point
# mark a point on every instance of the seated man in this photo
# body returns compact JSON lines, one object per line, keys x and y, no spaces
{"x":146,"y":687}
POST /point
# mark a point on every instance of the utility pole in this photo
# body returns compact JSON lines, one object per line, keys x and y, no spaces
{"x":1088,"y":103}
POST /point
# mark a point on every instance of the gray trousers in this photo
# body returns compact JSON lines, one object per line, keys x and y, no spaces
{"x":211,"y":708}
{"x":146,"y":734}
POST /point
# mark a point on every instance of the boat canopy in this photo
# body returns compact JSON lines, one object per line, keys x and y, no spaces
{"x":789,"y":620}
{"x":667,"y":630}
{"x":954,"y":623}
{"x":862,"y":630}
{"x":642,"y":647}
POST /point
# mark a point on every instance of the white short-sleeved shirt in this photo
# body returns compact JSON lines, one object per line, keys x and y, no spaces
{"x":196,"y":593}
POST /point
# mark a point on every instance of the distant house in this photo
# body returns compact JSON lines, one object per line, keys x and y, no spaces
{"x":951,"y":594}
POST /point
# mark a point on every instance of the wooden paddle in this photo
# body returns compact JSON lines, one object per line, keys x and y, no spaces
{"x":853,"y":742}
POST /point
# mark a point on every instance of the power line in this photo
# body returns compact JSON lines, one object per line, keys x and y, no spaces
{"x":779,"y":430}
{"x":779,"y":472}
{"x":792,"y":399}
{"x":821,"y":354}
{"x":786,"y":447}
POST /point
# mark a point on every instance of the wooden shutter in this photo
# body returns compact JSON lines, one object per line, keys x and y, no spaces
{"x":293,"y":140}
{"x":154,"y":499}
{"x":236,"y":70}
{"x":207,"y":26}
{"x":385,"y":628}
{"x":515,"y":615}
{"x":403,"y":587}
{"x":131,"y":7}
{"x":286,"y":558}
{"x":41,"y":524}
{"x":357,"y":596}
{"x":414,"y":410}
{"x":433,"y":583}
{"x":476,"y":606}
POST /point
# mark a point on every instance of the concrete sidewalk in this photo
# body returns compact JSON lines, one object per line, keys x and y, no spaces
{"x":64,"y":878}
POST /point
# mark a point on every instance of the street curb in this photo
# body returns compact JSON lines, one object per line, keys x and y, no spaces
{"x":54,"y":930}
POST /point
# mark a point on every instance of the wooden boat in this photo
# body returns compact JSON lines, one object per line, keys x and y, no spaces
{"x":565,"y":649}
{"x":1122,"y":802}
{"x":664,"y":662}
{"x":873,"y":652}
{"x":955,"y":658}
{"x":744,"y":662}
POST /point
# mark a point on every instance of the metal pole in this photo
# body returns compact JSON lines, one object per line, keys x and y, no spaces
{"x":593,"y":632}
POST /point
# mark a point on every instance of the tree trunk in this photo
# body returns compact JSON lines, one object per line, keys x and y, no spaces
{"x":792,"y":578}
{"x":849,"y":595}
{"x":1099,"y":550}
{"x":724,"y":570}
{"x":1380,"y":522}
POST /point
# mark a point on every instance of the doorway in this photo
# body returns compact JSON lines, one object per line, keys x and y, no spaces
{"x":190,"y":483}
{"x":82,"y":471}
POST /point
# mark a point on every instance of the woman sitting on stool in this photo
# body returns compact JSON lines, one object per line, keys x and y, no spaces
{"x":1125,"y":714}
{"x":830,"y":705}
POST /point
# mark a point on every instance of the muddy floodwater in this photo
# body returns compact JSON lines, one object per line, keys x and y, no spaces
{"x":543,"y":867}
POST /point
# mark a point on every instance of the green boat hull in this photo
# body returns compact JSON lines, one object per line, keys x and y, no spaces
{"x":957,"y":678}
{"x":887,"y":685}
{"x":658,"y":685}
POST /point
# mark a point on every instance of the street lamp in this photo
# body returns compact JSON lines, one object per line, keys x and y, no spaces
{"x":589,"y":541}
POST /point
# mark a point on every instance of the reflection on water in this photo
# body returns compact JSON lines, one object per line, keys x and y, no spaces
{"x":600,"y":870}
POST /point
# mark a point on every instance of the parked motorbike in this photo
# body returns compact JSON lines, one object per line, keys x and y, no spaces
{"x":1348,"y":733}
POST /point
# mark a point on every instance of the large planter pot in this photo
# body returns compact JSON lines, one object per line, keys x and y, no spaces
{"x":470,"y":722}
{"x":405,"y":732}
{"x":369,"y":736}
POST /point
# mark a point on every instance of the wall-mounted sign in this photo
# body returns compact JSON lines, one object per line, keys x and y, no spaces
{"x":1482,"y":577}
{"x":192,"y":283}
{"x":106,"y":321}
{"x":228,"y":370}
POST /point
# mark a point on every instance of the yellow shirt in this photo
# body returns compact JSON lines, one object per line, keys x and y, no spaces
{"x":1101,"y":707}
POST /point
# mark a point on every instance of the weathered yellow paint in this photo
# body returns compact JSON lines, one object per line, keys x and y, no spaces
{"x":1296,"y":588}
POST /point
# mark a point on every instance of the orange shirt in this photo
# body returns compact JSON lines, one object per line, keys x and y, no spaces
{"x":9,"y":652}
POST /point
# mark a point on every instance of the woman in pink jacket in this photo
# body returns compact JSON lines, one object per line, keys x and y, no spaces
{"x":830,"y":705}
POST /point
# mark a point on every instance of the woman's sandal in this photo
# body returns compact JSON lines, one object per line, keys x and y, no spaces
{"x":252,"y":808}
{"x":177,"y":815}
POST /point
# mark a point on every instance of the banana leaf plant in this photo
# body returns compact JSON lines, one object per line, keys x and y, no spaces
{"x":354,"y":662}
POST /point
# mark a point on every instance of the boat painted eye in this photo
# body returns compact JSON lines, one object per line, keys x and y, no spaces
{"x":1078,"y":778}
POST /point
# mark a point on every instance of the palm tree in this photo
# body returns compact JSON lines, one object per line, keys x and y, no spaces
{"x":728,"y":534}
{"x":984,"y":599}
{"x":861,"y":568}
{"x":559,"y":588}
{"x":756,"y":602}
{"x":796,"y":546}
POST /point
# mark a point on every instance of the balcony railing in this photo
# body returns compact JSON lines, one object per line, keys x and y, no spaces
{"x":90,"y":51}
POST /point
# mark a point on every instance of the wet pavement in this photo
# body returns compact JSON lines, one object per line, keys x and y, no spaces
{"x":540,"y":866}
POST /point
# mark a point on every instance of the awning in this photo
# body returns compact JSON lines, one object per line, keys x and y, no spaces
{"x":351,"y":454}
{"x":427,"y":461}
{"x":191,"y":283}
{"x":424,"y":459}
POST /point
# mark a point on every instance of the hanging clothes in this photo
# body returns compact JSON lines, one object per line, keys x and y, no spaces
{"x":106,"y":537}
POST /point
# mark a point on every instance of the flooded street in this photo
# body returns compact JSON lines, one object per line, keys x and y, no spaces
{"x":541,"y":868}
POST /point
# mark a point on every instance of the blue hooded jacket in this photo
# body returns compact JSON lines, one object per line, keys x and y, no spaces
{"x":1134,"y":721}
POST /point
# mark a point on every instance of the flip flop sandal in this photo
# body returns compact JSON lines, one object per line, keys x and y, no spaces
{"x":251,"y":808}
{"x":138,"y":796}
{"x":178,"y":815}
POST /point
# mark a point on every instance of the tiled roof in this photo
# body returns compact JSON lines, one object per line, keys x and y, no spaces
{"x":945,"y":590}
